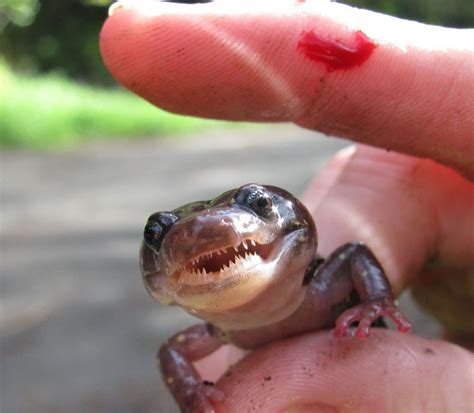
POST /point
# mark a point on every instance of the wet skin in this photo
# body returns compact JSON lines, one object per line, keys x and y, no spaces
{"x":246,"y":263}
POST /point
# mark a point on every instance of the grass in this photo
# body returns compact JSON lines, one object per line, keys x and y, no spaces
{"x":51,"y":112}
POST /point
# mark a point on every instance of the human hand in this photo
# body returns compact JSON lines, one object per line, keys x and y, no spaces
{"x":413,"y":94}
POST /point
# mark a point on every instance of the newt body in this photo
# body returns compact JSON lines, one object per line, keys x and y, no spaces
{"x":246,"y":263}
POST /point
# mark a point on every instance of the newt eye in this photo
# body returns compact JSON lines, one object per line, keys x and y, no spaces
{"x":260,"y":202}
{"x":158,"y":224}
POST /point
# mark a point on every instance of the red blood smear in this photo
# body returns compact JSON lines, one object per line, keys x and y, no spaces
{"x":335,"y":54}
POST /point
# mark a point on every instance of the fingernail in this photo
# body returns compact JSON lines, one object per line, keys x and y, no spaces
{"x":186,"y":1}
{"x":155,"y":6}
{"x":114,"y":7}
{"x":138,"y":4}
{"x":151,"y":5}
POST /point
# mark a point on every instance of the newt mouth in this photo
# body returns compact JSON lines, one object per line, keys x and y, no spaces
{"x":223,"y":263}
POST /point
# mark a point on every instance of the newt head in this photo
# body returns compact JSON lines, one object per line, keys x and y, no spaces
{"x":237,"y":260}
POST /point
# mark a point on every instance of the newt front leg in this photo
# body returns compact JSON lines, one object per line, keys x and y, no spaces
{"x":353,"y":265}
{"x":192,"y":394}
{"x":246,"y":262}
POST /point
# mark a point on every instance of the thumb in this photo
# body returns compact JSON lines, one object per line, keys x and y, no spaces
{"x":389,"y":372}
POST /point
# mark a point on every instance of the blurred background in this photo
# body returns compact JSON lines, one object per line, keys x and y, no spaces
{"x":83,"y":163}
{"x":52,"y":75}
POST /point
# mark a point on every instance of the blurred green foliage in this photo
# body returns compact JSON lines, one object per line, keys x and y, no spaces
{"x":18,"y":12}
{"x":62,"y":35}
{"x":51,"y":111}
{"x":452,"y":13}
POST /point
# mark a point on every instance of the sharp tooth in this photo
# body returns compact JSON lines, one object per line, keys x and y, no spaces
{"x":236,"y":249}
{"x":253,"y":243}
{"x":245,"y":245}
{"x":204,"y":272}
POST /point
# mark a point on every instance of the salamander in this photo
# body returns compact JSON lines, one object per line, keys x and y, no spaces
{"x":246,"y":263}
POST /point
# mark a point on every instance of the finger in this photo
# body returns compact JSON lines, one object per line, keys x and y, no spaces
{"x":408,"y":210}
{"x":393,"y":83}
{"x":389,"y":372}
